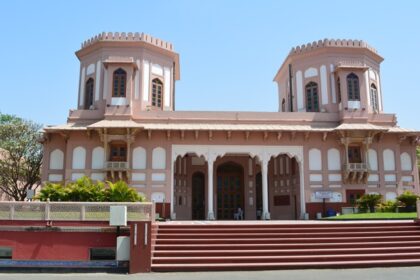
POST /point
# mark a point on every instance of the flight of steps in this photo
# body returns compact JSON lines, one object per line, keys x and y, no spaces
{"x":206,"y":246}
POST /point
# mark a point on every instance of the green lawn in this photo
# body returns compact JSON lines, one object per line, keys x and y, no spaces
{"x":362,"y":216}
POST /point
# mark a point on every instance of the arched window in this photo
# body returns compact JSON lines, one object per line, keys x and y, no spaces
{"x":119,"y":80}
{"x":89,"y":94}
{"x":157,"y":89}
{"x":353,"y":89}
{"x":334,"y":162}
{"x":315,"y":160}
{"x":283,"y":105}
{"x":56,"y":159}
{"x":79,"y":158}
{"x":389,"y":160}
{"x":159,"y":158}
{"x":374,"y":98}
{"x":312,"y":104}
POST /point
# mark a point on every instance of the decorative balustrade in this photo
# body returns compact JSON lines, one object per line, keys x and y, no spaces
{"x":73,"y":211}
{"x":355,"y":173}
{"x":116,"y":165}
{"x":355,"y":167}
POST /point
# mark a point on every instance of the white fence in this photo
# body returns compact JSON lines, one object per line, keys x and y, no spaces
{"x":73,"y":211}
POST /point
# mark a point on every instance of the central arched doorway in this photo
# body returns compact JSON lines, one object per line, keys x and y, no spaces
{"x":230,"y":190}
{"x":198,"y":200}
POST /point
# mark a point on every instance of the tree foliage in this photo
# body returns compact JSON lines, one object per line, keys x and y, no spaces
{"x":120,"y":192}
{"x":20,"y":156}
{"x":86,"y":190}
{"x":409,"y":200}
{"x":369,"y":201}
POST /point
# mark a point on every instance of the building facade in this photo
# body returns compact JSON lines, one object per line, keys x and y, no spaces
{"x":330,"y":140}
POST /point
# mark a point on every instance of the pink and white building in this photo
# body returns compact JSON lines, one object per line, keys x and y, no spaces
{"x":330,"y":137}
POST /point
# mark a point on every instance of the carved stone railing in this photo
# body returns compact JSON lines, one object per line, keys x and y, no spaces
{"x":355,"y":173}
{"x":355,"y":167}
{"x":116,"y":165}
{"x":73,"y":211}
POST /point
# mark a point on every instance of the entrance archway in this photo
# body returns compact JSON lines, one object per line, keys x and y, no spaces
{"x":198,"y":196}
{"x":209,"y":155}
{"x":284,"y":187}
{"x":230,"y":190}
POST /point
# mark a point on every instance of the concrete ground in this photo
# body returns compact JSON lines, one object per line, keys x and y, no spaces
{"x":400,"y":273}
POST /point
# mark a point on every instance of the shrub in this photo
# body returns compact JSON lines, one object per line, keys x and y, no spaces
{"x":409,"y":200}
{"x":85,"y":190}
{"x":52,"y":192}
{"x":121,"y":192}
{"x":369,"y":201}
{"x":389,"y":206}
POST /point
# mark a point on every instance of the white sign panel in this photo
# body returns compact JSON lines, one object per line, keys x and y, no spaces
{"x":323,"y":194}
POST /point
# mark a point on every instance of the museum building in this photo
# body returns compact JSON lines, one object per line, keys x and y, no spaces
{"x":329,"y":141}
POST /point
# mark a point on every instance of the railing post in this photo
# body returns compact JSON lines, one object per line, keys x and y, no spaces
{"x":82,"y":212}
{"x":12,"y":212}
{"x":47,"y":210}
{"x":153,"y":212}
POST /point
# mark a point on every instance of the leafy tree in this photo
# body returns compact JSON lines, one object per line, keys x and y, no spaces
{"x":121,"y":192}
{"x":20,"y":156}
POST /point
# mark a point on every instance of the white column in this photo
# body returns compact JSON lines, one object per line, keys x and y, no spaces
{"x":264,"y":175}
{"x":368,"y":141}
{"x":98,"y":79}
{"x":302,"y":189}
{"x":82,"y":87}
{"x":137,"y":80}
{"x":173,"y":162}
{"x":210,"y":214}
{"x":146,"y":75}
{"x":105,"y":91}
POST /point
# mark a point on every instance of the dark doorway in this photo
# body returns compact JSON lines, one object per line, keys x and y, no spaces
{"x":353,"y":195}
{"x":230,"y":190}
{"x":198,"y":196}
{"x":355,"y":155}
{"x":118,"y":152}
{"x":258,"y":196}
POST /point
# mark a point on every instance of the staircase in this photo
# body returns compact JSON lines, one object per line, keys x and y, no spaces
{"x":241,"y":245}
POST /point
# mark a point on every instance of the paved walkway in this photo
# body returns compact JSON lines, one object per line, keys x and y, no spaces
{"x":400,"y":273}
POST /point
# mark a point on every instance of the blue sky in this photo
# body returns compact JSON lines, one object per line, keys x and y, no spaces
{"x":229,"y":50}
